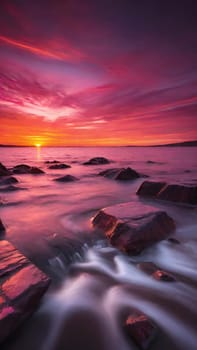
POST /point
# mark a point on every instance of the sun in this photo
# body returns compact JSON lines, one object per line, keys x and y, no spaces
{"x":38,"y":145}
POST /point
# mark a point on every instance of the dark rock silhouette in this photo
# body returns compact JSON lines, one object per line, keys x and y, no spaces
{"x":66,"y":178}
{"x":8,"y":180}
{"x":97,"y":161}
{"x":2,"y":228}
{"x":59,"y":166}
{"x":3,"y":170}
{"x":26,"y":169}
{"x":121,"y":174}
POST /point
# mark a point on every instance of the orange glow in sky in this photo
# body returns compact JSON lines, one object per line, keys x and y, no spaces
{"x":84,"y":76}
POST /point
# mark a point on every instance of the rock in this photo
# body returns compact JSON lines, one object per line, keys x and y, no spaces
{"x":173,"y":193}
{"x":97,"y":161}
{"x":151,"y":269}
{"x":173,"y":240}
{"x":26,"y":169}
{"x":164,"y":276}
{"x":147,"y":267}
{"x":36,"y":171}
{"x":66,"y":178}
{"x":52,"y":162}
{"x":132,"y":227}
{"x":179,"y":193}
{"x":11,"y":188}
{"x":22,"y":285}
{"x":59,"y":166}
{"x":8,"y":180}
{"x":121,"y":174}
{"x":3,"y":170}
{"x":150,"y":188}
{"x":2,"y":228}
{"x":21,"y":169}
{"x":141,"y":330}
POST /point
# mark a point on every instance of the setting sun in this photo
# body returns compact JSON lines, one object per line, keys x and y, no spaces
{"x":37,"y":145}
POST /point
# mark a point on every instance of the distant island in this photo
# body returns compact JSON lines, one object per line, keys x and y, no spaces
{"x":177,"y":144}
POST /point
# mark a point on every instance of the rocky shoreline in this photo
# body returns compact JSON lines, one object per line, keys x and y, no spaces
{"x":130,"y":227}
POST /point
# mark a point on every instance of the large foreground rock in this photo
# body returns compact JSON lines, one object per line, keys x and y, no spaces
{"x":141,"y":330}
{"x":173,"y":193}
{"x":22,"y":285}
{"x":132,"y":227}
{"x":97,"y":161}
{"x":121,"y":174}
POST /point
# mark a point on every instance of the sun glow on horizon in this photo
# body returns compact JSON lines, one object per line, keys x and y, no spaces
{"x":38,"y":145}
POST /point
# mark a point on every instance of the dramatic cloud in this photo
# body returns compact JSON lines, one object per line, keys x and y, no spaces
{"x":97,"y":72}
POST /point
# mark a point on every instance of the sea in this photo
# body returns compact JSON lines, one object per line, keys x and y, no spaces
{"x":94,"y":284}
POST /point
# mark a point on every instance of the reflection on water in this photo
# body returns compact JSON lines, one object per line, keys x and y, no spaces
{"x":95,"y":284}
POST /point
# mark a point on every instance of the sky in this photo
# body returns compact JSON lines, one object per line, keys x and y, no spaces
{"x":98,"y":72}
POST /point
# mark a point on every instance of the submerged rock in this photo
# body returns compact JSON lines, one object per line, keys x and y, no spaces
{"x":52,"y":162}
{"x":66,"y":178}
{"x":141,"y":330}
{"x":3,"y":170}
{"x":173,"y":193}
{"x":173,"y":240}
{"x":151,"y":269}
{"x":59,"y":166}
{"x":132,"y":227}
{"x":97,"y":161}
{"x":36,"y":171}
{"x":121,"y":174}
{"x":21,"y":169}
{"x":26,"y":169}
{"x":8,"y":180}
{"x":2,"y":228}
{"x":11,"y":188}
{"x":22,"y":285}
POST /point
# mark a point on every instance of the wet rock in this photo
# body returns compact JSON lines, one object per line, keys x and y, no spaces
{"x":22,"y":285}
{"x":147,"y":267}
{"x":173,"y":240}
{"x":21,"y":169}
{"x":141,"y":330}
{"x":36,"y":171}
{"x":3,"y":170}
{"x":66,"y":178}
{"x":26,"y":169}
{"x":97,"y":161}
{"x":150,"y":188}
{"x":8,"y":180}
{"x":2,"y":228}
{"x":11,"y":188}
{"x":151,"y":269}
{"x":179,"y":193}
{"x":52,"y":162}
{"x":59,"y":166}
{"x":132,"y":227}
{"x":164,"y":276}
{"x":173,"y":193}
{"x":121,"y":174}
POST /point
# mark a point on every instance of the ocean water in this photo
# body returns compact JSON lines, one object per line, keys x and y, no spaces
{"x":93,"y":283}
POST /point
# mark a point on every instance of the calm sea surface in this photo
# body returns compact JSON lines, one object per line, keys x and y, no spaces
{"x":50,"y":223}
